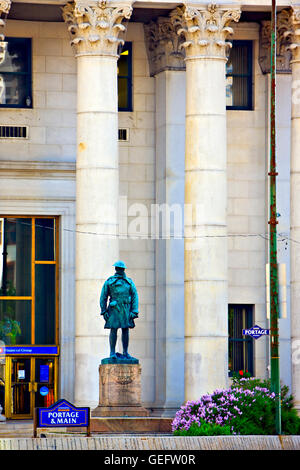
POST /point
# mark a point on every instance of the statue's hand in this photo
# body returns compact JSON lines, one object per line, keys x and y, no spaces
{"x":133,"y":315}
{"x":106,"y":316}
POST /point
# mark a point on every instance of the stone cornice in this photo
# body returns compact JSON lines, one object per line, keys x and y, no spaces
{"x":95,"y":26}
{"x":205,"y":29}
{"x":283,"y":56}
{"x":164,"y":46}
{"x":37,"y":170}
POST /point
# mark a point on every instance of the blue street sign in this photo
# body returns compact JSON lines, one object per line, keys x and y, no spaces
{"x":44,"y":391}
{"x":256,"y":332}
{"x":63,"y":413}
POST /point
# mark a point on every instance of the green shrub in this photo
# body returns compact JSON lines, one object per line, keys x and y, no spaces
{"x":248,"y":407}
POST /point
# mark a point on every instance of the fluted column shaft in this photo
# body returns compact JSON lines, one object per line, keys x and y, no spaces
{"x":95,"y":27}
{"x":206,"y":304}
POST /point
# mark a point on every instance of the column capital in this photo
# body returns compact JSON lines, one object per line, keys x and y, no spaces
{"x":294,"y":34}
{"x":95,"y":25}
{"x":205,"y":29}
{"x":4,"y":7}
{"x":283,"y":55}
{"x":164,"y":46}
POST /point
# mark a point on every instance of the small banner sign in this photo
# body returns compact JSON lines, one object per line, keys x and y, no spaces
{"x":256,"y":332}
{"x":24,"y":350}
{"x":62,"y":414}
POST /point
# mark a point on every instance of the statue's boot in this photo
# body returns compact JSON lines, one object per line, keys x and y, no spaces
{"x":127,"y":356}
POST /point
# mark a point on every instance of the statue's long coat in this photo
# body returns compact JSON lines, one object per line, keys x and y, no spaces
{"x":123,"y":302}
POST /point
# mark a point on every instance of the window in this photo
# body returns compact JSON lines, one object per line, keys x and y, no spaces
{"x":240,"y":347}
{"x":125,"y":78}
{"x":239,"y":76}
{"x":29,"y":280}
{"x":15,"y":73}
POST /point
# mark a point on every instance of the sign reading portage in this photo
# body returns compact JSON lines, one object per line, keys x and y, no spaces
{"x":256,"y":332}
{"x":62,"y":414}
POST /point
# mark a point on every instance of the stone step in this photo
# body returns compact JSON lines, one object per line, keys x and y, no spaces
{"x":107,"y":443}
{"x":131,"y":424}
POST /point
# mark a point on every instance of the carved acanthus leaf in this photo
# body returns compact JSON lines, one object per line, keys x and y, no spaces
{"x":294,"y":34}
{"x":163,"y":46}
{"x":95,"y":26}
{"x":283,"y":56}
{"x":205,"y":29}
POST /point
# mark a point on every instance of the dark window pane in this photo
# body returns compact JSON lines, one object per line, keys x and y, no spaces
{"x":124,"y":78}
{"x":45,"y":304}
{"x":15,"y":321}
{"x":15,"y":74}
{"x":239,"y":89}
{"x":16,"y":55}
{"x":15,"y":257}
{"x":13,"y":89}
{"x":44,"y":371}
{"x":123,"y":63}
{"x":123,"y":92}
{"x":44,"y":239}
{"x":44,"y":401}
{"x":238,"y":60}
{"x":239,"y":76}
{"x":240,"y":348}
{"x":20,"y":378}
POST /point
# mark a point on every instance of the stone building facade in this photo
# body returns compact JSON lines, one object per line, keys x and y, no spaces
{"x":190,"y":149}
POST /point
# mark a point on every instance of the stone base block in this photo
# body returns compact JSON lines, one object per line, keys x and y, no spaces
{"x":120,"y":411}
{"x":131,"y":425}
{"x":119,"y":391}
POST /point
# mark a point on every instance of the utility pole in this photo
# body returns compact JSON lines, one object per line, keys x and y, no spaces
{"x":274,"y":304}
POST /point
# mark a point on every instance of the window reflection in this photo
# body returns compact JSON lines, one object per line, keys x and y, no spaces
{"x":239,"y":76}
{"x":2,"y":90}
{"x":44,"y":239}
{"x":15,"y":321}
{"x":15,"y":257}
{"x":125,"y":79}
{"x":15,"y":72}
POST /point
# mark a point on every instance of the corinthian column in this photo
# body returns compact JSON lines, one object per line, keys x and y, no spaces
{"x":206,"y":306}
{"x":95,"y":28}
{"x":294,"y":47}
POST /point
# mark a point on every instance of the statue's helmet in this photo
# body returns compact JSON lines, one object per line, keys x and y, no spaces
{"x":120,"y":264}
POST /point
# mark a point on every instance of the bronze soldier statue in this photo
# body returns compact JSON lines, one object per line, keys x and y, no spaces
{"x":121,"y":310}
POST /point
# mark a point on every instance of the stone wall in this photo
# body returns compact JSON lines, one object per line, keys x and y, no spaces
{"x":247,"y":154}
{"x":52,"y":121}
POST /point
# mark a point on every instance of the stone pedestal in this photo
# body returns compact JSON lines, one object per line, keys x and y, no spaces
{"x":119,"y":391}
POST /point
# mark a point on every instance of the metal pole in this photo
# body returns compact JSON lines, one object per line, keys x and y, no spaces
{"x":274,"y":306}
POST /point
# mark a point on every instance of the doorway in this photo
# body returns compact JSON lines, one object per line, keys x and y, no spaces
{"x":30,"y":382}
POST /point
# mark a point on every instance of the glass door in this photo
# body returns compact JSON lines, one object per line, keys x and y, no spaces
{"x":32,"y":383}
{"x":45,"y":380}
{"x":20,"y":388}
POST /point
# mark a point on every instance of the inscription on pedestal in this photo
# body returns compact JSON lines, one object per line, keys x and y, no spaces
{"x":120,"y":391}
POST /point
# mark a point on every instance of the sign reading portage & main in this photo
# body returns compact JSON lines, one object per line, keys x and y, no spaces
{"x":62,"y":414}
